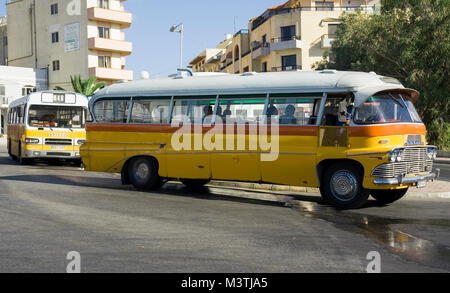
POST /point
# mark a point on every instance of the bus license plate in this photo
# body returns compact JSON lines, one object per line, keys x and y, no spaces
{"x":421,"y":183}
{"x":58,"y":147}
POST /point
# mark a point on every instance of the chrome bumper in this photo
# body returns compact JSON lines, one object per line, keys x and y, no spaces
{"x":401,"y":179}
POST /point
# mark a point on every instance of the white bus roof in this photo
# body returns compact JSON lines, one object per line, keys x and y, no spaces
{"x":36,"y":98}
{"x":362,"y":84}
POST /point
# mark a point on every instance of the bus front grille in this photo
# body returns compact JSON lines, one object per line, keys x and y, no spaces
{"x":58,"y":141}
{"x":414,"y":161}
{"x":58,"y":154}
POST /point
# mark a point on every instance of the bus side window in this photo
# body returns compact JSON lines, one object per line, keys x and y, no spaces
{"x":112,"y":111}
{"x":150,"y":111}
{"x":193,"y":110}
{"x":240,"y":110}
{"x":293,"y":111}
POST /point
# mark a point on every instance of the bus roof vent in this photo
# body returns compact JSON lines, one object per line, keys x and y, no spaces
{"x":249,"y":73}
{"x":329,"y":71}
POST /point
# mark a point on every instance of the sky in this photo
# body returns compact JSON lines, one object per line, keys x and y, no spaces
{"x":157,"y":51}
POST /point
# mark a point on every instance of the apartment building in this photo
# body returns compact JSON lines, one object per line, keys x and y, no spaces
{"x":290,"y":36}
{"x":16,"y":82}
{"x":69,"y":37}
{"x":3,"y":41}
{"x":210,"y":59}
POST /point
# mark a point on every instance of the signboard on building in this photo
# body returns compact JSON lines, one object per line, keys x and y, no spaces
{"x":72,"y":37}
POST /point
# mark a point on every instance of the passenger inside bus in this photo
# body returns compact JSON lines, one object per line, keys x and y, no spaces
{"x":208,"y":112}
{"x":271,"y":111}
{"x":288,"y":116}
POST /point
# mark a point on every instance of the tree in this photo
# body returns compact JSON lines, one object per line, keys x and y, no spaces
{"x":408,"y":40}
{"x":85,"y":87}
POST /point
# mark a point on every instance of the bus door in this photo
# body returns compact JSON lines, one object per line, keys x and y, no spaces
{"x":296,"y":115}
{"x":186,"y":156}
{"x":333,"y":131}
{"x":239,"y":157}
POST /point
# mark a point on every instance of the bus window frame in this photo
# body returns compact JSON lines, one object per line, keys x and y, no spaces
{"x":144,"y":98}
{"x":243,"y":96}
{"x":196,"y":97}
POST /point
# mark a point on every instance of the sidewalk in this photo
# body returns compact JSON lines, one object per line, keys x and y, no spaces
{"x":435,"y":189}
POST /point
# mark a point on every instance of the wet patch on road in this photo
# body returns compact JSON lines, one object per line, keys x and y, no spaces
{"x":387,"y":232}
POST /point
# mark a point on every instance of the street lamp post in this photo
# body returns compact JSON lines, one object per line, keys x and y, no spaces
{"x":179,"y":29}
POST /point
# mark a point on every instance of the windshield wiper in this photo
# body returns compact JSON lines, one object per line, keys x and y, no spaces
{"x":403,"y":105}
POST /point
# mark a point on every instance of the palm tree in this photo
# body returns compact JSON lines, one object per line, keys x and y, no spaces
{"x":85,"y":87}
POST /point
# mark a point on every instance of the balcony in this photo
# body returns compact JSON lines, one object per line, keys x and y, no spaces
{"x":103,"y":73}
{"x":326,"y":41}
{"x":123,"y":47}
{"x":261,"y":50}
{"x":287,"y":68}
{"x":285,"y":43}
{"x":113,"y":16}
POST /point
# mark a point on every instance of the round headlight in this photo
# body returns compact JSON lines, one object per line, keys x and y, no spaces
{"x":399,"y":155}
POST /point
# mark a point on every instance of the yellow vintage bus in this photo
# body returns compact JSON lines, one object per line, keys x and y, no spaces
{"x":47,"y":125}
{"x":352,"y":134}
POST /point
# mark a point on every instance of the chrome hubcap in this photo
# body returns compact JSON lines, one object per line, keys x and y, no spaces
{"x":344,"y":185}
{"x":142,"y":171}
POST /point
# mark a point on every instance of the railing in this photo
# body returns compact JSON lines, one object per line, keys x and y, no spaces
{"x":257,"y":45}
{"x":241,"y":32}
{"x":263,"y":18}
{"x":287,"y":68}
{"x":246,"y":53}
{"x":284,"y":39}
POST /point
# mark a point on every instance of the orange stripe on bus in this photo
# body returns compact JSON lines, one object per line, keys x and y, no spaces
{"x":142,"y":128}
{"x":386,"y":130}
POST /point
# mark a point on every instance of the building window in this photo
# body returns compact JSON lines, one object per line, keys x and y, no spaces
{"x":324,"y":5}
{"x":264,"y":67}
{"x":26,"y":90}
{"x":104,"y":32}
{"x":332,"y":29}
{"x":287,"y":33}
{"x":56,"y":65}
{"x":104,"y":61}
{"x":264,"y":40}
{"x":55,"y":37}
{"x":289,"y":62}
{"x":54,"y":9}
{"x":103,"y":4}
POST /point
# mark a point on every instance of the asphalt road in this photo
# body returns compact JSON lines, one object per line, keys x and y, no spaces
{"x":445,"y":171}
{"x":48,"y":211}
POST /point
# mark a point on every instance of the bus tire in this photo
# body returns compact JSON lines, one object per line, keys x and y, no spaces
{"x":143,"y":174}
{"x":195,"y":183}
{"x":342,"y":186}
{"x":9,"y":148}
{"x":388,"y":196}
{"x":20,"y":159}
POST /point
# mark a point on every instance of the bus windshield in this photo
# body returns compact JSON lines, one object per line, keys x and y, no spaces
{"x":56,"y":116}
{"x":386,"y":109}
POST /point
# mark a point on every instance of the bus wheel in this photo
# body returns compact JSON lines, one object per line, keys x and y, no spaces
{"x":195,"y":183}
{"x":9,"y":149}
{"x":342,"y":186}
{"x":388,"y":196}
{"x":143,"y":174}
{"x":21,"y":160}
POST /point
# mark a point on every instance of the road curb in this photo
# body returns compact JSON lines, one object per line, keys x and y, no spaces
{"x":268,"y":188}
